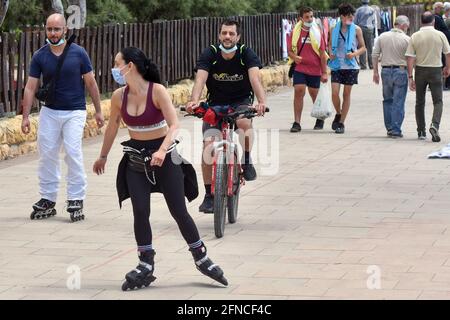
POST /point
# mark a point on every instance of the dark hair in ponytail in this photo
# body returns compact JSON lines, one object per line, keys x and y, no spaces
{"x":145,"y":66}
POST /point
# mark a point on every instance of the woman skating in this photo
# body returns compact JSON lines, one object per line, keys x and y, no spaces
{"x":150,"y":162}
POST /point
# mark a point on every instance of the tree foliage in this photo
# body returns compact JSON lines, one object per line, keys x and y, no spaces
{"x":33,"y":12}
{"x":23,"y":13}
{"x":100,"y":12}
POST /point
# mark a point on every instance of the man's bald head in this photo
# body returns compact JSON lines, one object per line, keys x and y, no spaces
{"x":56,"y":19}
{"x":56,"y":28}
{"x":427,"y":18}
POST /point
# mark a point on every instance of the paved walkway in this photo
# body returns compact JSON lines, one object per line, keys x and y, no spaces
{"x":342,"y":215}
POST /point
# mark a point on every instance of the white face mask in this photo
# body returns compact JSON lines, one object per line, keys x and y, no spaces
{"x":228,"y":50}
{"x":60,"y":42}
{"x":307,"y":24}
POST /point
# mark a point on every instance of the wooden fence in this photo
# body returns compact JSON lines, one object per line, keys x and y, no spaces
{"x":173,"y":45}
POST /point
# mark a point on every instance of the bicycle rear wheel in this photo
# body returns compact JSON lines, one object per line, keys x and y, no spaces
{"x":220,"y":195}
{"x":233,"y":200}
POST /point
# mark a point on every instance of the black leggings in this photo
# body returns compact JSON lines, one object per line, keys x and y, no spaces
{"x":170,"y":180}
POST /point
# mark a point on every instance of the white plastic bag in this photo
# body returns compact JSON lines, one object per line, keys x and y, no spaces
{"x":323,"y":107}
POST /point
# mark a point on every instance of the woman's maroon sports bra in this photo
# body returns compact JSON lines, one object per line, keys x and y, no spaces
{"x":151,"y":119}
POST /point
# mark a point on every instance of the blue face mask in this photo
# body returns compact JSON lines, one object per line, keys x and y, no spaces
{"x":118,"y":77}
{"x":60,"y":42}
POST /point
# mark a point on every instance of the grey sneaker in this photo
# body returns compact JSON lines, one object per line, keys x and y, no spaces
{"x":396,"y":135}
{"x":435,"y":134}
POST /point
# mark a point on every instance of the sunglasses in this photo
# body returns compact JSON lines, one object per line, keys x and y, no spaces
{"x":56,"y":30}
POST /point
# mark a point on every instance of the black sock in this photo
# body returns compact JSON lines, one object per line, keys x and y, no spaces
{"x":208,"y":188}
{"x":247,"y":157}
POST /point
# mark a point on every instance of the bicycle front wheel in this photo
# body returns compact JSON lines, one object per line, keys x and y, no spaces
{"x":220,"y":195}
{"x":233,"y":200}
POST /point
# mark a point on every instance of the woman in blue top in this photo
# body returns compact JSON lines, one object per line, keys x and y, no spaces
{"x":346,"y":44}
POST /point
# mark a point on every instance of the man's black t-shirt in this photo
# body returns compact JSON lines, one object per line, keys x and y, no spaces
{"x":228,"y":81}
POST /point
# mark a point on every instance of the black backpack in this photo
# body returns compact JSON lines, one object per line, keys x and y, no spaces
{"x":241,"y":50}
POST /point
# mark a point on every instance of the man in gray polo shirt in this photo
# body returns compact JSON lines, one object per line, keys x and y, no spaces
{"x":365,"y":18}
{"x":424,"y":51}
{"x":391,"y":48}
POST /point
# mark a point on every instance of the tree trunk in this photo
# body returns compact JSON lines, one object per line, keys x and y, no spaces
{"x":83,"y":10}
{"x":52,"y":6}
{"x":3,"y":10}
{"x":57,"y":6}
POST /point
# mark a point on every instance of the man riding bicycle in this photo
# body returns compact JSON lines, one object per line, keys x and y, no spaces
{"x":231,"y":72}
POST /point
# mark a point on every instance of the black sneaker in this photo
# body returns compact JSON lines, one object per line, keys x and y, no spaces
{"x":74,"y":205}
{"x":435,"y":134}
{"x":340,"y":129}
{"x":421,"y":135}
{"x":319,"y":124}
{"x":249,"y":172}
{"x":336,"y":120}
{"x":43,"y":204}
{"x":296,"y":127}
{"x":389,"y":133}
{"x":207,"y":205}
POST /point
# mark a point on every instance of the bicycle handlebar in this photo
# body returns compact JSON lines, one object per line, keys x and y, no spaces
{"x":251,"y":112}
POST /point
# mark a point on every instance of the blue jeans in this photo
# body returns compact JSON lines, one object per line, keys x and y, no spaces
{"x":395,"y":88}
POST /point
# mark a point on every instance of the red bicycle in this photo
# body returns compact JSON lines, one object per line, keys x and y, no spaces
{"x":227,"y":171}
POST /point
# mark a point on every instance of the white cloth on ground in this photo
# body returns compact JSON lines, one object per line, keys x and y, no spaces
{"x":444,"y":153}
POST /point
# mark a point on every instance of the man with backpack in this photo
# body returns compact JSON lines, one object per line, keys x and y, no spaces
{"x":231,"y":73}
{"x":307,"y":53}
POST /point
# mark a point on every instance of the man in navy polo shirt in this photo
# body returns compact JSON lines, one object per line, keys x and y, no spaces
{"x":62,"y":121}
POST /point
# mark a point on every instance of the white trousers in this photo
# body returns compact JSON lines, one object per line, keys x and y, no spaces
{"x":61,"y":128}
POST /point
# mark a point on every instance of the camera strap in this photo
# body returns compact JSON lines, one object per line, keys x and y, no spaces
{"x":63,"y":56}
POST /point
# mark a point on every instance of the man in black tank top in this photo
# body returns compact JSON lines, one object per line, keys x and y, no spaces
{"x":231,"y":73}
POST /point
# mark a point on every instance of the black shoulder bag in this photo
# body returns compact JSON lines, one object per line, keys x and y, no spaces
{"x":293,"y":65}
{"x":46,"y":93}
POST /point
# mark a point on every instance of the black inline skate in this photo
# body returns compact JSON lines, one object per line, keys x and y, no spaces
{"x":43,"y":209}
{"x":206,"y":266}
{"x":142,"y":276}
{"x":75,"y":208}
